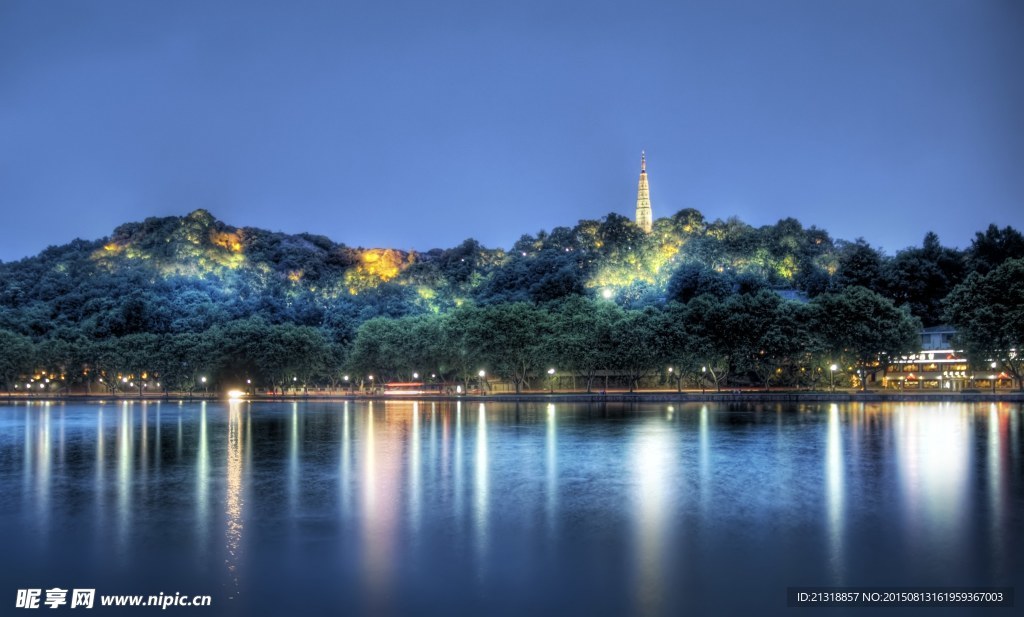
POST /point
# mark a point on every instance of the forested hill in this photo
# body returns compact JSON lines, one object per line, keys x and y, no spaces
{"x":188,"y":274}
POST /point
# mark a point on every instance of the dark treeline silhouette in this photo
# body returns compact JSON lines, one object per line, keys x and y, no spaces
{"x":173,"y":300}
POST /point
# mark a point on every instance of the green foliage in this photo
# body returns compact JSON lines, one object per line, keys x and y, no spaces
{"x":860,"y":265}
{"x":15,"y":357}
{"x":864,"y":330}
{"x":994,"y":246}
{"x":921,"y":277}
{"x":988,"y":312}
{"x":692,"y":280}
{"x":180,"y":298}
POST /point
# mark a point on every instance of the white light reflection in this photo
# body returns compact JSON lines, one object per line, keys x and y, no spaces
{"x":481,"y":504}
{"x":704,"y":460}
{"x":293,"y":463}
{"x":457,"y":463}
{"x":143,"y":469}
{"x":651,"y":468}
{"x":415,"y":471}
{"x":433,"y":444}
{"x":156,"y":440}
{"x":43,"y":470}
{"x":551,"y":450}
{"x":998,"y":462}
{"x":934,"y":461}
{"x":98,"y":484}
{"x":36,"y":466}
{"x":346,"y":461}
{"x":233,"y":500}
{"x":202,"y":482}
{"x":834,"y":494}
{"x":124,"y":477}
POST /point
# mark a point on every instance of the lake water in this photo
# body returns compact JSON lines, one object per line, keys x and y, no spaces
{"x":438,"y":508}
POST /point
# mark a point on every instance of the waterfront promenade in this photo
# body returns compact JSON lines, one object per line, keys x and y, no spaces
{"x":578,"y":396}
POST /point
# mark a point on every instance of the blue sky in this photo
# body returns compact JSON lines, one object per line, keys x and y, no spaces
{"x":419,"y":124}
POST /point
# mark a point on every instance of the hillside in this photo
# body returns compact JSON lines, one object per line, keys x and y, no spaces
{"x":177,"y":274}
{"x":170,"y":301}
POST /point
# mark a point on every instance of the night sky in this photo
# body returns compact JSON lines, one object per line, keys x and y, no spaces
{"x":419,"y":124}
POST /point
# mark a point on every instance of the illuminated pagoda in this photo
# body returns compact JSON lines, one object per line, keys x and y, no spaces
{"x":643,"y":198}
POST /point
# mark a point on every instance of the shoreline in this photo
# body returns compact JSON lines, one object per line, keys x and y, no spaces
{"x":743,"y":396}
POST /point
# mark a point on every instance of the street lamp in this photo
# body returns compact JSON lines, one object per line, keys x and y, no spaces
{"x":832,"y":376}
{"x":483,"y":380}
{"x":203,"y":379}
{"x":703,"y":372}
{"x":551,"y":380}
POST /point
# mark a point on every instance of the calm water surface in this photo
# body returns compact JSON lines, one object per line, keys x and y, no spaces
{"x":493,"y":509}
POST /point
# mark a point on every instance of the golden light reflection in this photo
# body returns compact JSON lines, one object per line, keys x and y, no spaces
{"x":381,"y":491}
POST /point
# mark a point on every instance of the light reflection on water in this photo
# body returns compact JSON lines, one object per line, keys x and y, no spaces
{"x":834,"y":494}
{"x":509,"y":508}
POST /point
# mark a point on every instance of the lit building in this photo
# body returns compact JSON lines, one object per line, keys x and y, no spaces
{"x":939,"y":366}
{"x":930,"y":369}
{"x":644,"y":219}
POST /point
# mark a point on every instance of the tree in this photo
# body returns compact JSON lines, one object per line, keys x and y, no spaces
{"x":583,"y":332}
{"x":691,"y":280}
{"x":376,"y":350}
{"x":513,"y":340}
{"x":183,"y":359}
{"x":459,"y":350}
{"x":712,"y":343}
{"x":988,"y":314}
{"x":680,"y":348}
{"x":860,"y":264}
{"x":767,"y":333}
{"x":15,"y":357}
{"x":922,"y":277}
{"x":638,"y":348}
{"x":994,"y":246}
{"x":864,"y":330}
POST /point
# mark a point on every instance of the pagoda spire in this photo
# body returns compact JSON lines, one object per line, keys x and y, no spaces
{"x":644,"y":219}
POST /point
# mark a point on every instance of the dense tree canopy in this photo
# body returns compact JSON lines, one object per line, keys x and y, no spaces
{"x":173,"y":300}
{"x":988,"y":313}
